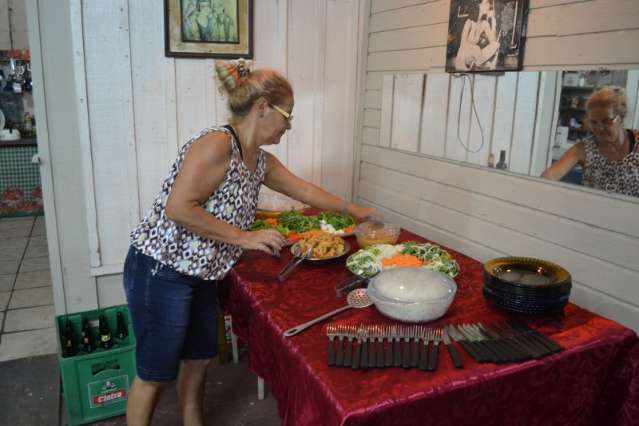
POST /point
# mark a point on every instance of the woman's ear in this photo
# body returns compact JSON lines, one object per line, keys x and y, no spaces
{"x":261,"y":104}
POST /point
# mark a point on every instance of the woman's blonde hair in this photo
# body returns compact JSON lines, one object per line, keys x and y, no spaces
{"x":610,"y":97}
{"x":243,"y":87}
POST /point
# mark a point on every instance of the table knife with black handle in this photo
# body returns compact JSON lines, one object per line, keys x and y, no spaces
{"x":454,"y":355}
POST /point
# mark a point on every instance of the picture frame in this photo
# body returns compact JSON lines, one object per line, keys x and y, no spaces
{"x":208,"y":28}
{"x":486,"y":35}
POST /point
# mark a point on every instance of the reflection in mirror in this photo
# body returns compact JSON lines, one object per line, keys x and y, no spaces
{"x":522,"y":122}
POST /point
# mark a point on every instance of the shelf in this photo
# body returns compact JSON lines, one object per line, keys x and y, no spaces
{"x":579,"y":87}
{"x":573,"y":108}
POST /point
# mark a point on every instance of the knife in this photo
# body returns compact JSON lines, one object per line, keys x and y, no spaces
{"x":505,"y":352}
{"x":547,"y":341}
{"x":451,"y":350}
{"x":526,"y":350}
{"x":459,"y":338}
{"x":481,"y":353}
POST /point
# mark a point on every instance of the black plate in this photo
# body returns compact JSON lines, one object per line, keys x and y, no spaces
{"x":526,"y":272}
{"x":548,"y":292}
{"x":530,"y":301}
{"x":526,"y":308}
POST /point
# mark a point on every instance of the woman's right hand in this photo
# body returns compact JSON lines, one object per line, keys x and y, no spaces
{"x":267,"y":240}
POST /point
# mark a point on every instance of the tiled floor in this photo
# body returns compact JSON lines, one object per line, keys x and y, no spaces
{"x":29,"y":370}
{"x":35,"y":397}
{"x":26,"y":297}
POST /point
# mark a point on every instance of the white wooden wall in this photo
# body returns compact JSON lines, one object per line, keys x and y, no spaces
{"x":133,"y":108}
{"x":13,"y":25}
{"x":485,"y":213}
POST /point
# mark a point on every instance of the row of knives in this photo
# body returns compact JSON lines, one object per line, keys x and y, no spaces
{"x":381,"y":346}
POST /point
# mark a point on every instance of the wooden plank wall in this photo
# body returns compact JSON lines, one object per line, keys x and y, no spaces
{"x":136,"y":108}
{"x":486,"y":213}
{"x":13,"y":25}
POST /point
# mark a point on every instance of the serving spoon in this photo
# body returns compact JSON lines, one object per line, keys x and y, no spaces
{"x":357,"y":298}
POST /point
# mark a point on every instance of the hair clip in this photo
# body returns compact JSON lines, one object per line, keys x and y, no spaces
{"x":242,"y":68}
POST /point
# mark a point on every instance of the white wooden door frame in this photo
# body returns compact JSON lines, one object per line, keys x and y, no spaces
{"x":44,"y":152}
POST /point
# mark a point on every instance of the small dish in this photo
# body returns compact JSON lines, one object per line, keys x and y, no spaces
{"x":369,"y":233}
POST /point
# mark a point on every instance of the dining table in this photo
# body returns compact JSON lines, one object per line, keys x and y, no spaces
{"x":593,"y":381}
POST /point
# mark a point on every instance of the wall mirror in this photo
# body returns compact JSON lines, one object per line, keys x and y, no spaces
{"x":518,"y":121}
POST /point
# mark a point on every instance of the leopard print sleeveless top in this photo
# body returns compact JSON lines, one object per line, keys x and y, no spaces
{"x":234,"y":201}
{"x":618,"y":176}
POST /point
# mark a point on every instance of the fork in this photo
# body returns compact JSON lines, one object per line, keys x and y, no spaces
{"x":350,"y":332}
{"x":414,"y":356}
{"x":407,"y":333}
{"x":358,"y":347}
{"x":372,"y":347}
{"x":293,"y":264}
{"x":339,"y":356}
{"x":364,"y":345}
{"x":379,"y":330}
{"x":388,"y":333}
{"x":434,"y":350}
{"x":331,"y":332}
{"x":397,"y":346}
{"x":423,"y":357}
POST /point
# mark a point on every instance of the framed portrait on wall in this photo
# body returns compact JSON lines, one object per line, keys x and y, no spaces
{"x":486,"y":35}
{"x":208,"y":28}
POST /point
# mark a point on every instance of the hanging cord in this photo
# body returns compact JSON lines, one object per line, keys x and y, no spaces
{"x":473,"y":109}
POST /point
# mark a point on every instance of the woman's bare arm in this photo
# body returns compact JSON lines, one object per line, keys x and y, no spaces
{"x":575,"y":154}
{"x":202,"y":171}
{"x":280,"y":179}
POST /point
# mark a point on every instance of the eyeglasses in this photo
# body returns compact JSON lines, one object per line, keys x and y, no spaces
{"x":607,"y":122}
{"x":286,"y":115}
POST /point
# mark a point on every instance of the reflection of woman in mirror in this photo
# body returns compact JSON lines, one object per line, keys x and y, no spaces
{"x":479,"y":40}
{"x":610,"y":157}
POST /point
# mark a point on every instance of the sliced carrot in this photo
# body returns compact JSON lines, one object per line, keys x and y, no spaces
{"x":407,"y":260}
{"x":349,"y":229}
{"x":293,"y":236}
{"x":271,"y":221}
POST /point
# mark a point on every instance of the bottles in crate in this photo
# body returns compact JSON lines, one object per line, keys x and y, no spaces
{"x":120,"y":331}
{"x":106,"y":339}
{"x":70,"y":347}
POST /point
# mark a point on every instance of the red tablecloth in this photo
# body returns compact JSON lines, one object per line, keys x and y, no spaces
{"x":594,"y":381}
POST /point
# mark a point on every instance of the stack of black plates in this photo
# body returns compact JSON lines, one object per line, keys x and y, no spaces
{"x":526,"y":285}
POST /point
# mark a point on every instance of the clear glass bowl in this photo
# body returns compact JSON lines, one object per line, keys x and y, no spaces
{"x":369,"y":233}
{"x":412,"y":294}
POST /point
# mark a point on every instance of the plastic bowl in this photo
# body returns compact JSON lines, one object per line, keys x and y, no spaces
{"x":412,"y":294}
{"x":369,"y":233}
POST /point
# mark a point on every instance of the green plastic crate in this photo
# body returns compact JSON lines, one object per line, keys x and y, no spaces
{"x":96,"y":385}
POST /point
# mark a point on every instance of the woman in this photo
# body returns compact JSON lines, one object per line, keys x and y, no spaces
{"x":610,"y":157}
{"x":479,"y":41}
{"x":195,"y":232}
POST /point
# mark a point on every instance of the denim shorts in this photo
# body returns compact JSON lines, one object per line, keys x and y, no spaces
{"x":174,"y":316}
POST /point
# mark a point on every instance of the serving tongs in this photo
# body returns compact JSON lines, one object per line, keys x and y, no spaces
{"x":292,"y":264}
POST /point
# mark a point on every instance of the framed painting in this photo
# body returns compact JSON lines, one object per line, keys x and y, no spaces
{"x":208,"y":28}
{"x":486,"y":35}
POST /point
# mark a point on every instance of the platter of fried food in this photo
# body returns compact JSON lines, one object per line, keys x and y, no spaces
{"x":323,"y":246}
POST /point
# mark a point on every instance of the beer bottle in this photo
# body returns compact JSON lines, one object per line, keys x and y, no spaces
{"x":120,"y":331}
{"x":69,"y":348}
{"x":87,"y":337}
{"x":106,"y":340}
